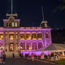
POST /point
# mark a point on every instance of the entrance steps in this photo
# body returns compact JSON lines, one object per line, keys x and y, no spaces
{"x":10,"y":54}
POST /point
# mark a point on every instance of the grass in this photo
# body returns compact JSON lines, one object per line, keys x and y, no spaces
{"x":60,"y":62}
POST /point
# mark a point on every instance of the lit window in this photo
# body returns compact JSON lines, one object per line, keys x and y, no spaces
{"x":1,"y":36}
{"x":29,"y":46}
{"x":34,"y":36}
{"x":11,"y":47}
{"x":22,"y":36}
{"x":11,"y":37}
{"x":34,"y":46}
{"x":40,"y":45}
{"x":12,"y":24}
{"x":28,"y":36}
{"x":16,"y":24}
{"x":5,"y":36}
{"x":39,"y":35}
{"x":22,"y":46}
{"x":46,"y":35}
{"x":1,"y":47}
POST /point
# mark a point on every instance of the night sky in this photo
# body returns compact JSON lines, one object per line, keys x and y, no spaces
{"x":30,"y":12}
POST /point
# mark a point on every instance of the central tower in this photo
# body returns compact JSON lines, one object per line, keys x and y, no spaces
{"x":11,"y":22}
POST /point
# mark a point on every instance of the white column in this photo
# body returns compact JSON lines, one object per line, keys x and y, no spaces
{"x":25,"y":46}
{"x":31,"y":39}
{"x":25,"y":35}
{"x":4,"y":40}
{"x":36,"y":36}
{"x":45,"y":38}
{"x":37,"y":39}
{"x":50,"y":37}
{"x":15,"y":41}
{"x":18,"y":40}
{"x":31,"y":35}
{"x":8,"y":41}
{"x":25,"y":41}
{"x":31,"y":45}
{"x":37,"y":45}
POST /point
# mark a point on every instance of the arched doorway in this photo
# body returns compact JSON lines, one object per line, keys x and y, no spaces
{"x":40,"y":45}
{"x":22,"y":45}
{"x":34,"y":46}
{"x":11,"y":47}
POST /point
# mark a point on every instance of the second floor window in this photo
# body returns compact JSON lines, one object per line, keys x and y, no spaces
{"x":13,"y":24}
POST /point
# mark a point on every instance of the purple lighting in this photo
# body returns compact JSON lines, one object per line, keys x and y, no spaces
{"x":18,"y":20}
{"x":25,"y":30}
{"x":36,"y":53}
{"x":24,"y":40}
{"x":30,"y":53}
{"x":47,"y":52}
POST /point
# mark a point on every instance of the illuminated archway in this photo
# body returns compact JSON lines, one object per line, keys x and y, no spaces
{"x":40,"y":45}
{"x":22,"y":35}
{"x":28,"y":36}
{"x":34,"y":36}
{"x":39,"y":36}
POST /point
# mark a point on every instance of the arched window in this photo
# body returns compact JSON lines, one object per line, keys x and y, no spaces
{"x":34,"y":36}
{"x":22,"y":35}
{"x":46,"y":35}
{"x":34,"y":46}
{"x":1,"y":35}
{"x":1,"y":45}
{"x":16,"y":46}
{"x":22,"y":46}
{"x":28,"y":46}
{"x":40,"y":45}
{"x":28,"y":36}
{"x":13,"y":24}
{"x":11,"y":36}
{"x":39,"y":36}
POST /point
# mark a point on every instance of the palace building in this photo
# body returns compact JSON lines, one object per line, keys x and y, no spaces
{"x":14,"y":38}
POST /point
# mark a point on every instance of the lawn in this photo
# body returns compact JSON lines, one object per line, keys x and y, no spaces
{"x":60,"y":62}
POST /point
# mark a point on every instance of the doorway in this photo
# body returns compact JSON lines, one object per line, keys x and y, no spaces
{"x":11,"y":47}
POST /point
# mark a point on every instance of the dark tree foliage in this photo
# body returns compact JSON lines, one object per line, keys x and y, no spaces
{"x":58,"y":35}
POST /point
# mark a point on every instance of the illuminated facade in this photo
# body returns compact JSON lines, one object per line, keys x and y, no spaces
{"x":14,"y":38}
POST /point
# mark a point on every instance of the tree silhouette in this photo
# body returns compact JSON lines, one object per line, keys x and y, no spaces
{"x":60,"y":7}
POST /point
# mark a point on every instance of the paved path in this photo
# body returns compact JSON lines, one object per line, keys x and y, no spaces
{"x":20,"y":61}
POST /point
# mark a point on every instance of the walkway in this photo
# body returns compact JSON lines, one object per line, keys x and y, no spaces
{"x":21,"y":61}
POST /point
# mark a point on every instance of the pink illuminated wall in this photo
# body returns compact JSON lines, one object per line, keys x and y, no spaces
{"x":25,"y":43}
